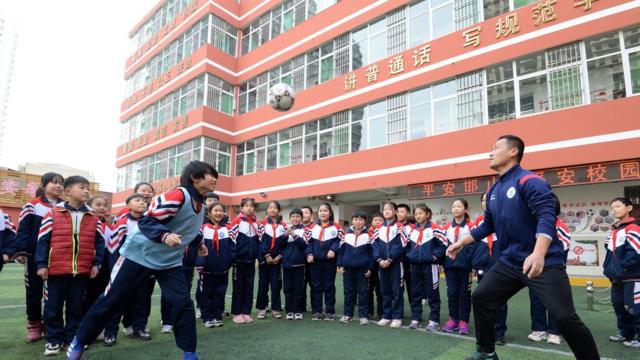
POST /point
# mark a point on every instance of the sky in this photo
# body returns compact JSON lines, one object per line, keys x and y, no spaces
{"x":68,"y":82}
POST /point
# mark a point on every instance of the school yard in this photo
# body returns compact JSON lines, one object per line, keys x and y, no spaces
{"x":281,"y":339}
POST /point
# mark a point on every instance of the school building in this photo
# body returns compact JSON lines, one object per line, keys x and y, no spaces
{"x":396,"y":100}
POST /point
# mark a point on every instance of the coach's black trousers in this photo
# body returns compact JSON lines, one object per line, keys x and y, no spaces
{"x":551,"y":287}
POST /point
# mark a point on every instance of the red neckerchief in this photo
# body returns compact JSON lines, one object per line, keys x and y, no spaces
{"x":419,"y":240}
{"x":216,"y":238}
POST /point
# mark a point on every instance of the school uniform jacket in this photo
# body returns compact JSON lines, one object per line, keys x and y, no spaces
{"x":322,"y":238}
{"x":389,"y":240}
{"x":622,"y":261}
{"x":244,"y":231}
{"x":7,"y":234}
{"x":294,"y":248}
{"x":355,"y":250}
{"x":426,"y":244}
{"x":29,"y":224}
{"x":221,"y":249}
{"x":273,"y":236}
{"x":454,"y":233}
{"x":70,"y":241}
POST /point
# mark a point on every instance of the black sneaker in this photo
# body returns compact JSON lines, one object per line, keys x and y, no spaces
{"x":110,"y":341}
{"x":142,"y":335}
{"x":479,"y":355}
{"x":329,"y":317}
{"x":501,"y":341}
{"x":316,"y":317}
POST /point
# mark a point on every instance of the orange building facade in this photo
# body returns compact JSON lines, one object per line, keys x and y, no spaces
{"x":396,"y":99}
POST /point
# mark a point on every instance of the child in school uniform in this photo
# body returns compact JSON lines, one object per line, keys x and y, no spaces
{"x":51,"y":188}
{"x":404,"y":217}
{"x":273,"y":234}
{"x":7,"y":238}
{"x":133,"y":309}
{"x":244,"y":231}
{"x":388,"y":247}
{"x":485,"y":255}
{"x":458,"y":272}
{"x":355,"y":261}
{"x":323,"y":239}
{"x":155,"y":247}
{"x":543,"y":324}
{"x":425,"y":248}
{"x":375,"y":295}
{"x":98,"y":204}
{"x":69,"y":252}
{"x":214,"y":268}
{"x":307,"y":221}
{"x":622,"y":267}
{"x":293,"y":266}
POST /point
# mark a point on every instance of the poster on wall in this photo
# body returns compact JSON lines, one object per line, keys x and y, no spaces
{"x":583,"y":253}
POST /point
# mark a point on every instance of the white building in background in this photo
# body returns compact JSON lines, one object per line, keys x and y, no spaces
{"x":64,"y":170}
{"x":8,"y":42}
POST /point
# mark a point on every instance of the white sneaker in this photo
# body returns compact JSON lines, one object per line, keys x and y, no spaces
{"x":128,"y":331}
{"x":198,"y":314}
{"x":100,"y":336}
{"x":262,"y":314}
{"x":290,"y":316}
{"x":364,"y":321}
{"x":298,"y":316}
{"x":52,"y":349}
{"x":632,"y":344}
{"x":345,"y":319}
{"x":554,"y":339}
{"x":424,"y":302}
{"x":537,"y":336}
{"x":213,"y":323}
{"x":396,"y":324}
{"x":384,"y":322}
{"x":166,"y":329}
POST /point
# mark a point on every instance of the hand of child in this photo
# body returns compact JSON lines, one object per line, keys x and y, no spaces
{"x":21,"y":259}
{"x":43,"y":273}
{"x":310,"y":259}
{"x":268,"y":260}
{"x":203,"y":250}
{"x":367,"y":274}
{"x":277,"y":260}
{"x":94,"y":272}
{"x":173,"y":240}
{"x":454,"y":250}
{"x":340,"y":269}
{"x":5,"y":258}
{"x":331,"y":254}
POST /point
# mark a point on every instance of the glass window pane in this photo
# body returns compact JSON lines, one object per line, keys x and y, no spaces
{"x":634,"y":65}
{"x":420,"y":117}
{"x":501,"y":102}
{"x":224,"y":163}
{"x":444,"y":115}
{"x":325,"y":144}
{"x":602,"y":45}
{"x":358,"y":136}
{"x":534,"y":95}
{"x":377,"y":131}
{"x":378,"y":47}
{"x":250,"y":163}
{"x":272,"y":157}
{"x":296,"y":151}
{"x":326,"y":72}
{"x":443,"y":23}
{"x":566,"y":87}
{"x":499,"y":73}
{"x":419,"y":29}
{"x":521,"y":3}
{"x":531,"y":64}
{"x":494,"y":8}
{"x":311,"y":148}
{"x":341,"y":140}
{"x":359,"y":54}
{"x":444,"y":89}
{"x":284,"y":154}
{"x":632,"y":37}
{"x":312,"y":74}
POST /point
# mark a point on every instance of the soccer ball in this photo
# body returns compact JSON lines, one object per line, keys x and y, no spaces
{"x":282,"y":97}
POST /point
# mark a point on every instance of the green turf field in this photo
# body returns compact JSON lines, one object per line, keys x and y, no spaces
{"x":280,"y":339}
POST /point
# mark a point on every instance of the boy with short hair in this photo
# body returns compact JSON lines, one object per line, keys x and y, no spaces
{"x":156,"y":247}
{"x":355,"y":260}
{"x":69,"y":251}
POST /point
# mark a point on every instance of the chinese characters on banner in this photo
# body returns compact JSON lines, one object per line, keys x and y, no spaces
{"x":574,"y":175}
{"x":178,"y":124}
{"x":544,"y":12}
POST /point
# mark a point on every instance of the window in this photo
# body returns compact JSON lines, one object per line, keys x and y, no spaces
{"x":397,"y":118}
{"x":377,"y":129}
{"x":493,"y":8}
{"x":565,"y":77}
{"x":444,"y":106}
{"x":500,"y":92}
{"x":419,"y":23}
{"x":420,"y":113}
{"x":470,"y":106}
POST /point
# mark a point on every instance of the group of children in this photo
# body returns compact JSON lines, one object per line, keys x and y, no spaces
{"x":70,"y":249}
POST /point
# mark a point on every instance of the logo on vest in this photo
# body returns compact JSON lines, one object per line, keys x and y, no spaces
{"x":511,"y":192}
